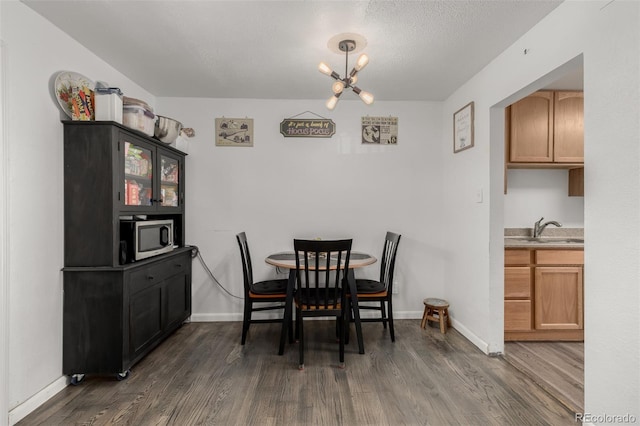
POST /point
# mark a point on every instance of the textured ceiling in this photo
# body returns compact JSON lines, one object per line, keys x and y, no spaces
{"x":419,"y":50}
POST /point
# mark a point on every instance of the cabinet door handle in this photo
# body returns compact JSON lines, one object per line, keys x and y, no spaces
{"x":150,"y":277}
{"x":178,"y":265}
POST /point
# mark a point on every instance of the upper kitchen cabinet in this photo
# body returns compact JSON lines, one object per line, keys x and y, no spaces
{"x":568,"y":127}
{"x":152,"y":176}
{"x":113,"y":173}
{"x":531,"y":129}
{"x":546,"y":129}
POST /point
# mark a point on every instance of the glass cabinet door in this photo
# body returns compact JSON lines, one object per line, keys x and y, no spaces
{"x":138,"y":175}
{"x":169,"y":181}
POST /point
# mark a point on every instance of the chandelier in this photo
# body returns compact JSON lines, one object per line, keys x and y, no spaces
{"x":349,"y":79}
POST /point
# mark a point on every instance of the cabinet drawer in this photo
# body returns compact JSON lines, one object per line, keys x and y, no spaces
{"x":517,"y":257}
{"x":517,"y":282}
{"x":157,"y":272}
{"x":517,"y":315}
{"x":559,"y":257}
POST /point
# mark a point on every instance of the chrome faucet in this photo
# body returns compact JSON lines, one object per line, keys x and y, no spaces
{"x":537,"y":228}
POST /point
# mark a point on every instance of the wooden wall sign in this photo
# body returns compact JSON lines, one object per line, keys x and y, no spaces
{"x":307,"y":128}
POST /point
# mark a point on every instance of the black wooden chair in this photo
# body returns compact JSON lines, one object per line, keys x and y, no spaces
{"x":381,"y":291}
{"x":321,"y":280}
{"x":270,"y":292}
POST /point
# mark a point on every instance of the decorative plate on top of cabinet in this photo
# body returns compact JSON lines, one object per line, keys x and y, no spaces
{"x":74,"y":93}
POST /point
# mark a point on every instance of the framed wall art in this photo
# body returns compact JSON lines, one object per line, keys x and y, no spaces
{"x":380,"y":130}
{"x":463,"y":128}
{"x":234,"y":131}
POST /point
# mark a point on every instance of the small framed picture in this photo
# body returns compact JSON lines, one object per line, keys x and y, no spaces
{"x":234,"y":131}
{"x":463,"y":128}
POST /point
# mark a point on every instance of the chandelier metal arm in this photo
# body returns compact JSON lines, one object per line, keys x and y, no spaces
{"x":346,"y":61}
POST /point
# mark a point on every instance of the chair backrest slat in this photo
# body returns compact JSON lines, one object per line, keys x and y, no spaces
{"x":246,"y":261}
{"x":387,"y":265}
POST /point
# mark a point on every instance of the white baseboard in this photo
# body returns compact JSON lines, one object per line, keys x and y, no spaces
{"x":470,"y":336}
{"x":210,"y":317}
{"x":21,"y":411}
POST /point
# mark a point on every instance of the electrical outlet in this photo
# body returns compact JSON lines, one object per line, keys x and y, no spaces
{"x":396,"y":284}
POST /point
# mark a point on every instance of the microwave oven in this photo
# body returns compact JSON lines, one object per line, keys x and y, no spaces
{"x":140,"y":239}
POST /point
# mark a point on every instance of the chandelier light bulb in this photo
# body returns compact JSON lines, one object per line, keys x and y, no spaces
{"x":324,"y":69}
{"x":331,"y":103}
{"x":362,"y":62}
{"x":337,"y":87}
{"x":366,"y":97}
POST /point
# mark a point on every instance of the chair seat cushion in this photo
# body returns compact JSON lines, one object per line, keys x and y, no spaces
{"x":269,"y":287}
{"x":363,"y":297}
{"x":306,"y":298}
{"x":369,"y":286}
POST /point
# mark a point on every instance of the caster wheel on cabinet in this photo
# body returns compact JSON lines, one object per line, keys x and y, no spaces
{"x":123,"y":376}
{"x":76,"y":379}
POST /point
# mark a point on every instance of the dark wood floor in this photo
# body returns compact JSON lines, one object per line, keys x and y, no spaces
{"x":557,"y":367}
{"x":201,"y":375}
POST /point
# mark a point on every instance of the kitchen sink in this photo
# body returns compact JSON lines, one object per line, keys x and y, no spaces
{"x":553,"y":240}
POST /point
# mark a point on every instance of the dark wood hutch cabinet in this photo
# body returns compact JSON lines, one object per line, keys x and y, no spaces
{"x":116,"y":313}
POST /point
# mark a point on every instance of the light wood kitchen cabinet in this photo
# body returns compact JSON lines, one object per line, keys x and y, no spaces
{"x":547,"y":127}
{"x":568,"y":127}
{"x":531,"y":133}
{"x":558,"y":301}
{"x":543,"y":296}
{"x":546,"y":130}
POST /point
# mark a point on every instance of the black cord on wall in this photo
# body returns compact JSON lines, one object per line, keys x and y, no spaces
{"x":195,"y":252}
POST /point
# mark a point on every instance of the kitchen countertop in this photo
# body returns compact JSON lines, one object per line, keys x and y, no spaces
{"x":555,"y":238}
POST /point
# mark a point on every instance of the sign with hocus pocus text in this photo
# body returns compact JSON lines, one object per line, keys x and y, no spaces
{"x":307,"y":128}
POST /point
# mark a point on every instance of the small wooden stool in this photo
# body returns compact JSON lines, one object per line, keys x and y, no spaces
{"x":436,"y":310}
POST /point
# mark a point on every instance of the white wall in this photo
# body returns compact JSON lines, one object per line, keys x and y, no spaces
{"x":607,"y":35}
{"x":532,"y":194}
{"x":34,"y":51}
{"x":294,"y":187}
{"x":4,"y":247}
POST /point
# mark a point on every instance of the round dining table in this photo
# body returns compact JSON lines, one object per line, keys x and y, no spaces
{"x":287,"y":260}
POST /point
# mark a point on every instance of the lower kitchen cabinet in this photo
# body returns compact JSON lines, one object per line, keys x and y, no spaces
{"x":558,"y":298}
{"x":114,"y":316}
{"x":543,"y":297}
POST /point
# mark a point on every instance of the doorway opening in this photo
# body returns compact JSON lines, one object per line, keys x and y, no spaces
{"x":555,"y":365}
